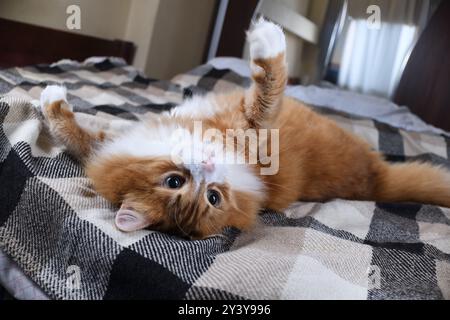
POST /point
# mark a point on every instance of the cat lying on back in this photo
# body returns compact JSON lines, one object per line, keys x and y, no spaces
{"x":198,"y":196}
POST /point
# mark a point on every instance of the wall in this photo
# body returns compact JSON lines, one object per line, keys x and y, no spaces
{"x":171,"y":35}
{"x":180,"y":38}
{"x":140,"y":29}
{"x":294,"y":44}
{"x":100,"y":18}
{"x":316,"y":13}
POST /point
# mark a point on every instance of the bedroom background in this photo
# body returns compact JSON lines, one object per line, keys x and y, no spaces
{"x":389,"y":49}
{"x":176,"y":30}
{"x":334,"y":250}
{"x":179,"y":31}
{"x":370,"y":46}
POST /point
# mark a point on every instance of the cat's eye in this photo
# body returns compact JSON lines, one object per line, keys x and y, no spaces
{"x":213,"y":197}
{"x":174,"y":181}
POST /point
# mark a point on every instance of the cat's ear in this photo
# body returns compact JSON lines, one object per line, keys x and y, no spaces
{"x":127,"y":219}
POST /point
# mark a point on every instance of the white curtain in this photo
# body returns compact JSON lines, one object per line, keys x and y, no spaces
{"x":372,"y":59}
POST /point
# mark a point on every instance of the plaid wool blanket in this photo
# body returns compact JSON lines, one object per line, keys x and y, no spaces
{"x":62,"y":234}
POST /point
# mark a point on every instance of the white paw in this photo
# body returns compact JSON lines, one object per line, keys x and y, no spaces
{"x":266,"y":40}
{"x":51,"y":94}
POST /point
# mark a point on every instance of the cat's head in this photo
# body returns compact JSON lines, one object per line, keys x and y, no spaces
{"x":190,"y":199}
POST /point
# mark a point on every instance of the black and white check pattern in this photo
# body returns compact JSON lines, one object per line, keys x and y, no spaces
{"x":52,"y":221}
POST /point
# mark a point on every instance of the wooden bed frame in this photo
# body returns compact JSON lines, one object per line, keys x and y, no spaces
{"x":425,"y":83}
{"x":24,"y":44}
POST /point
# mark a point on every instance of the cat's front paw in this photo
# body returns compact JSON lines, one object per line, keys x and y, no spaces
{"x":266,"y":40}
{"x":52,"y":94}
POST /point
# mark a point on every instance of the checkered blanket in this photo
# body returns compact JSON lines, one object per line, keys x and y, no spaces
{"x":62,"y":235}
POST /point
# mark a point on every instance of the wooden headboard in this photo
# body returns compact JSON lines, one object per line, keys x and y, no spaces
{"x":24,"y":44}
{"x":425,"y":83}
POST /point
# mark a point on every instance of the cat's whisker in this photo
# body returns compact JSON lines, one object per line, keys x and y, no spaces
{"x":278,"y":185}
{"x":180,"y":228}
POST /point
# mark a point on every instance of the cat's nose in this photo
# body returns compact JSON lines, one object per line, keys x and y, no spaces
{"x":208,"y":165}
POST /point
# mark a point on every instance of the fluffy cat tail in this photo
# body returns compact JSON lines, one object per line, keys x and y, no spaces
{"x":414,"y":182}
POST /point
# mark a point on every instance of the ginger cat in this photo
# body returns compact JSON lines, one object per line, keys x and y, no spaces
{"x":194,"y":194}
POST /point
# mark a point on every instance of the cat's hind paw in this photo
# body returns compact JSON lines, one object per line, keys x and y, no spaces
{"x":266,"y":40}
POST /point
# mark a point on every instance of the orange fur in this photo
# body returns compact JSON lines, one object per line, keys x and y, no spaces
{"x":268,"y":90}
{"x":415,"y":182}
{"x":321,"y":161}
{"x":138,"y":181}
{"x":64,"y":127}
{"x":317,"y":161}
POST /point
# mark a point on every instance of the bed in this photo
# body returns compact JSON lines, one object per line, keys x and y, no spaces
{"x":58,"y":240}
